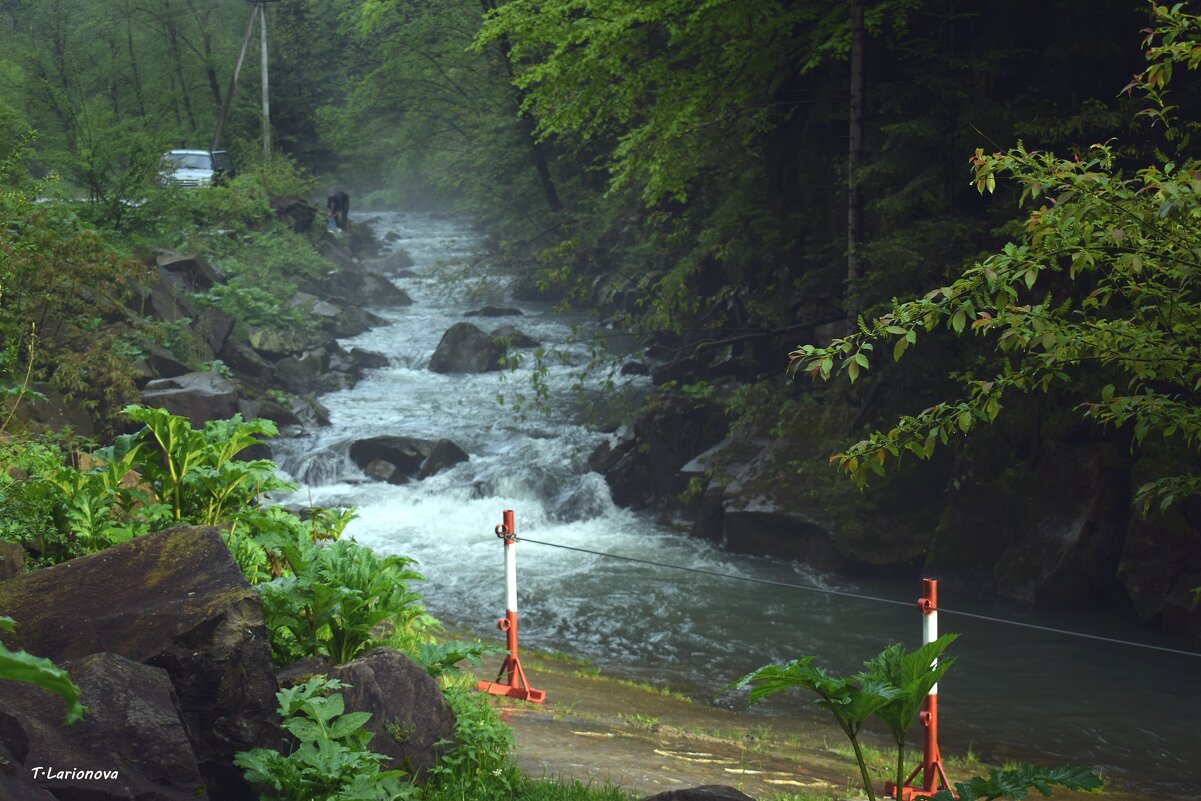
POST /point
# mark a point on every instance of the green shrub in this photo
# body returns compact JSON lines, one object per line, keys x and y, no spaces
{"x":331,"y":762}
{"x":195,"y":472}
{"x":479,"y":765}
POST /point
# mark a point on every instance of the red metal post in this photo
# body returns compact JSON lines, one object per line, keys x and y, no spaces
{"x":934,"y":777}
{"x":515,"y":685}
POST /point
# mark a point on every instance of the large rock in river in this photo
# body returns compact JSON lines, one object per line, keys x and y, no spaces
{"x":643,"y":466}
{"x":466,"y":349}
{"x":175,"y":600}
{"x":407,"y":457}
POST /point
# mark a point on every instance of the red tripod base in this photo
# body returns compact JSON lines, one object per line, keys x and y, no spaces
{"x":934,"y":778}
{"x":908,"y":792}
{"x":516,"y":687}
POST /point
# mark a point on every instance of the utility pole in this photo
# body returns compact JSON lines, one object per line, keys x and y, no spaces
{"x":262,"y":4}
{"x":233,"y":80}
{"x":258,"y":10}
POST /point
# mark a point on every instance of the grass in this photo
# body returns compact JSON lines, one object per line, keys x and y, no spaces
{"x":587,"y":669}
{"x":569,"y":790}
{"x":645,"y":722}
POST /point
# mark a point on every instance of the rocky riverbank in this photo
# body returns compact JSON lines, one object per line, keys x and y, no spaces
{"x":165,"y":639}
{"x":1037,"y":511}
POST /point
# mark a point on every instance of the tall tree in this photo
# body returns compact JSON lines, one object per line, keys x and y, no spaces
{"x":855,"y":156}
{"x":1097,"y":299}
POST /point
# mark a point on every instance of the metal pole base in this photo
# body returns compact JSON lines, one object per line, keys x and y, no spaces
{"x":909,"y":791}
{"x":516,"y":687}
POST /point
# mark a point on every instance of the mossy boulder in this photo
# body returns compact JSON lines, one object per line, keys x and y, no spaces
{"x":175,"y":600}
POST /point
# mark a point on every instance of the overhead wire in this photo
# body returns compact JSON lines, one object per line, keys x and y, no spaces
{"x":861,"y":597}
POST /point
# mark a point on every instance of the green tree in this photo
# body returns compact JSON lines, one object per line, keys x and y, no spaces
{"x":1099,"y":292}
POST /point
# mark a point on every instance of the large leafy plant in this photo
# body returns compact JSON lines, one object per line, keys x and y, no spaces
{"x":913,"y":674}
{"x":196,"y":472}
{"x":892,"y":687}
{"x":851,"y":700}
{"x":332,"y":761}
{"x":338,"y":601}
{"x":1015,"y":782}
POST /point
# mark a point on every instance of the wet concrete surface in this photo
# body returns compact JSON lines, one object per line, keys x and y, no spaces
{"x":606,"y":731}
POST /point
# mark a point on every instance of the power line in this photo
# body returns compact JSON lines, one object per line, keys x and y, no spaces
{"x":861,"y":597}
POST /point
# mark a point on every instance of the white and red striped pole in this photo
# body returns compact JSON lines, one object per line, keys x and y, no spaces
{"x":515,"y":685}
{"x":933,"y":775}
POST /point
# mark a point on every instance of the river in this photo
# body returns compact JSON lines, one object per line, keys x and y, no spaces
{"x":1015,"y":693}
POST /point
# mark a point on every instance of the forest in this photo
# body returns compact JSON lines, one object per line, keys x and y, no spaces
{"x":916,"y":277}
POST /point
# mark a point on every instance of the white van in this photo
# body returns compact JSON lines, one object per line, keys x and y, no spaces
{"x":195,"y":167}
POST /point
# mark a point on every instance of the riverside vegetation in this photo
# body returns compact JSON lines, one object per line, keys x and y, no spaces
{"x":65,"y":267}
{"x":64,"y":497}
{"x":684,"y":169}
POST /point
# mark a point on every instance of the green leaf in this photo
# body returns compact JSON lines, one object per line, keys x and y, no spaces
{"x":41,"y":672}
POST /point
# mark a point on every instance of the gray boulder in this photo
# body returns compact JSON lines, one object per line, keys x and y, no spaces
{"x":190,"y":273}
{"x":406,"y":454}
{"x":162,"y":363}
{"x":131,"y":744}
{"x":378,"y":292}
{"x":466,"y":349}
{"x":408,"y":457}
{"x":394,"y":263}
{"x":495,"y":311}
{"x":163,"y":299}
{"x":367,"y":359}
{"x":247,"y":363}
{"x":314,"y":306}
{"x":411,"y":721}
{"x":12,"y":560}
{"x":294,"y":212}
{"x":708,"y":792}
{"x":443,"y":455}
{"x":643,"y":466}
{"x":16,"y":783}
{"x":514,"y":337}
{"x":214,"y":326}
{"x":200,"y":397}
{"x":275,"y":342}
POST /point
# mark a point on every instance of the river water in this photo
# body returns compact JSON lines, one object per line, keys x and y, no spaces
{"x":1015,"y":693}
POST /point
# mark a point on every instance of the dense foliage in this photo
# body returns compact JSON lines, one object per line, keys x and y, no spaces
{"x":1097,"y":299}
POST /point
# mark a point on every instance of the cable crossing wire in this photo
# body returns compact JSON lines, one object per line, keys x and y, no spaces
{"x":860,"y":597}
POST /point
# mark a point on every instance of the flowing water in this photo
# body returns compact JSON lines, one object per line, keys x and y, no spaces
{"x":1015,"y":692}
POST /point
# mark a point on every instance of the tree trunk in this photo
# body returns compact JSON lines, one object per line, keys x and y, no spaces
{"x":528,"y":125}
{"x":135,"y":73}
{"x":854,"y":162}
{"x":177,"y":61}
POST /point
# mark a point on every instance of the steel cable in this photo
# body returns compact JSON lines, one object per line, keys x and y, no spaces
{"x":862,"y":597}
